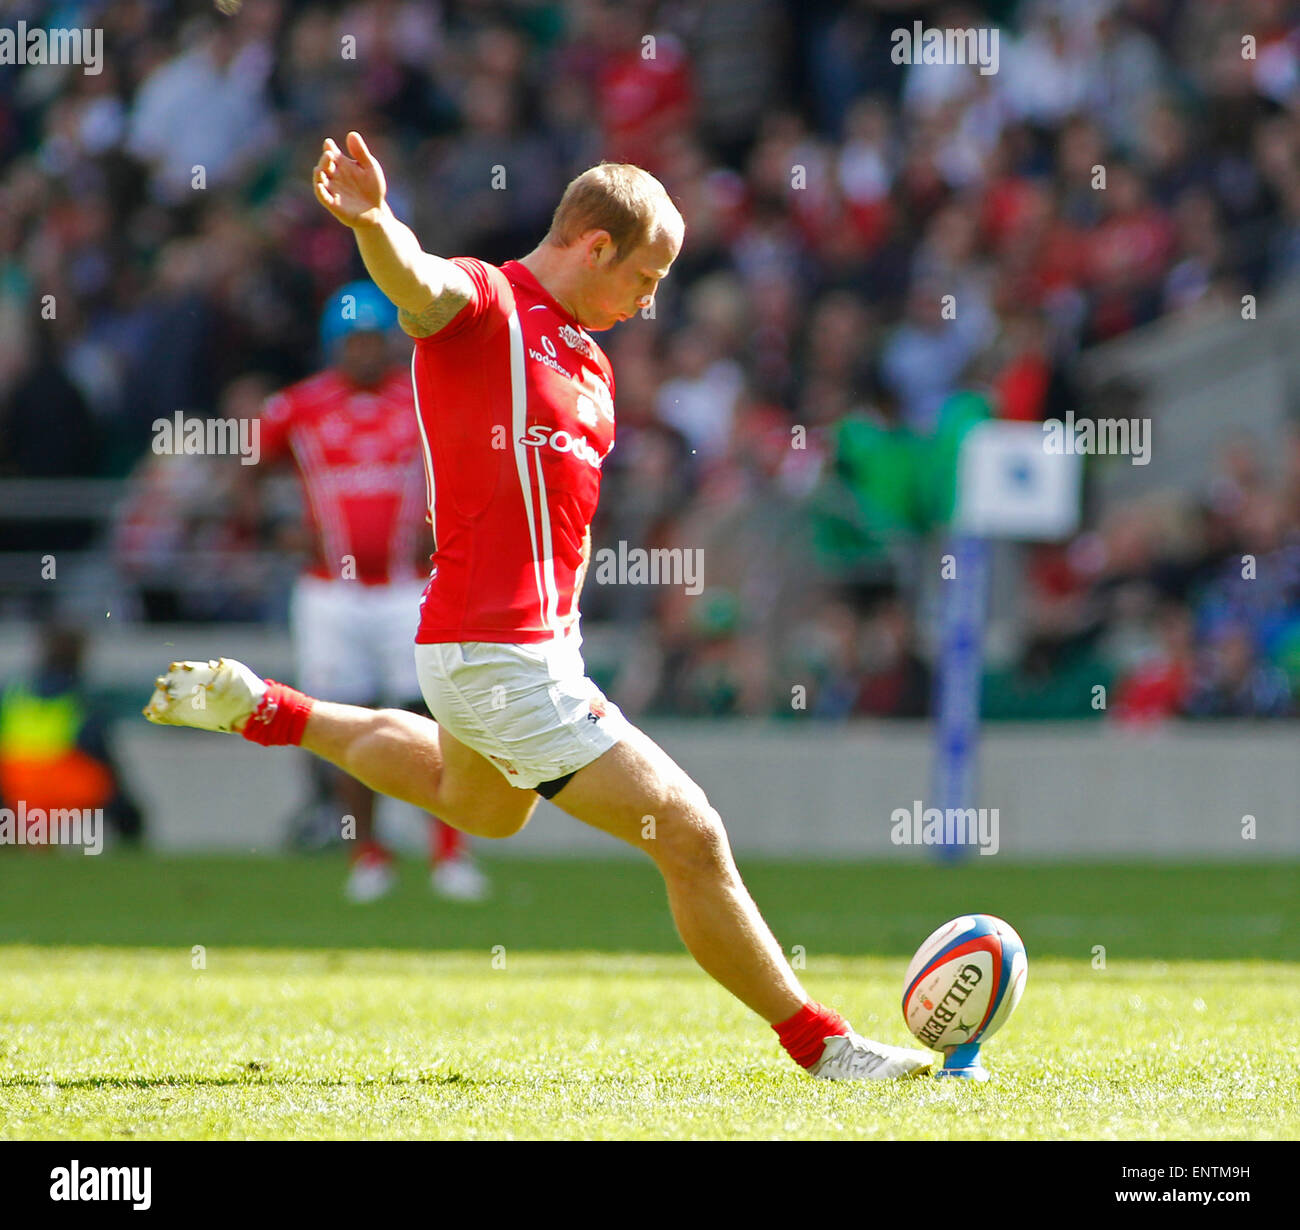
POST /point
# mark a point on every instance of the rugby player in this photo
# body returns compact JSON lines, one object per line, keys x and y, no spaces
{"x":350,"y":431}
{"x":515,"y":407}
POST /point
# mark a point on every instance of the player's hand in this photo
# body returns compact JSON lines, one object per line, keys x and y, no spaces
{"x":352,"y":189}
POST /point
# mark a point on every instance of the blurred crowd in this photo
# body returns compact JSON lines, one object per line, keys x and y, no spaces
{"x":832,"y":199}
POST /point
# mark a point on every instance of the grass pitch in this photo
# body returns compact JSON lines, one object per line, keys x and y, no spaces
{"x":564,"y":1010}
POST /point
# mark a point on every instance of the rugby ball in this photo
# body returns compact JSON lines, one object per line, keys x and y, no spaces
{"x":964,"y":982}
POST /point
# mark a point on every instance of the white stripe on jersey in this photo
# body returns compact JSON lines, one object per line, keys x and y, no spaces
{"x":550,"y":612}
{"x":402,"y":545}
{"x":428,"y":455}
{"x":318,"y":480}
{"x":519,"y":422}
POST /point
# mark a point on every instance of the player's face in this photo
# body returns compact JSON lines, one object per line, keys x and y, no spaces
{"x":621,"y":288}
{"x":364,"y":357}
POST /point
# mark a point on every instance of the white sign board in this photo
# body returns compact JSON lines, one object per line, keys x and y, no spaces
{"x":1010,"y":486}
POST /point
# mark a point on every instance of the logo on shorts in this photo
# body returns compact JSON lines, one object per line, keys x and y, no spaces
{"x":505,"y":764}
{"x":596,"y":709}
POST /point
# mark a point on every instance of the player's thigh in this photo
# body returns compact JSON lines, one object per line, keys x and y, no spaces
{"x":474,"y":796}
{"x":639,"y":794}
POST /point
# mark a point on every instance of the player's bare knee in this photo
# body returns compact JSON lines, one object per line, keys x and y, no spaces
{"x":689,"y":840}
{"x":494,"y":828}
{"x":472,"y":817}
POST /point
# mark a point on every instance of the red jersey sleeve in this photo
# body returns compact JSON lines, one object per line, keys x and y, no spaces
{"x":490,"y":308}
{"x":275,"y":424}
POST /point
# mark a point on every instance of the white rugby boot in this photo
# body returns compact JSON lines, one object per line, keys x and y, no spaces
{"x":458,"y":879}
{"x":852,"y":1057}
{"x":371,"y":877}
{"x":213,"y":695}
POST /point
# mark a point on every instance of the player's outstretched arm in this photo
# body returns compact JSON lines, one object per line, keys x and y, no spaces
{"x":427,"y":290}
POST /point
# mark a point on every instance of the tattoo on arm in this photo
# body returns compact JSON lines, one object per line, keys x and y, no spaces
{"x":439,"y":313}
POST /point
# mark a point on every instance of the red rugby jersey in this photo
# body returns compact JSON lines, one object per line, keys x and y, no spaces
{"x":516,"y":410}
{"x":358,"y":456}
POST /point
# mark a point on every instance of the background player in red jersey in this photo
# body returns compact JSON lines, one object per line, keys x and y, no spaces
{"x":515,"y":428}
{"x":351,"y":432}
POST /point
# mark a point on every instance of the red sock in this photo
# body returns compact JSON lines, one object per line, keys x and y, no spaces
{"x":804,"y":1034}
{"x":371,"y":852}
{"x":280,"y":718}
{"x":448,"y":843}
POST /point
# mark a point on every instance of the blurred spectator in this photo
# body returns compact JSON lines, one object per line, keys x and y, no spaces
{"x":1233,"y":682}
{"x":896,"y":683}
{"x":54,"y":749}
{"x":62,"y":438}
{"x":643,"y":91}
{"x":206,"y":110}
{"x":926,"y":357}
{"x":699,"y":396}
{"x":1159,"y":685}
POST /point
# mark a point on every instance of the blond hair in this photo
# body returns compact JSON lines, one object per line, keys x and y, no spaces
{"x":617,"y":197}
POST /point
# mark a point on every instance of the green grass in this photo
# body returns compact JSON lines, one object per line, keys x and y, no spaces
{"x":313,"y":1019}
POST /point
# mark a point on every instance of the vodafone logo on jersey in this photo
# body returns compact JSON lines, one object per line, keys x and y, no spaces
{"x":539,"y":436}
{"x":547,"y":355}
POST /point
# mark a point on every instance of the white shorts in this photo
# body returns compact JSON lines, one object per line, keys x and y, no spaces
{"x":352,"y":642}
{"x":530,"y":709}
